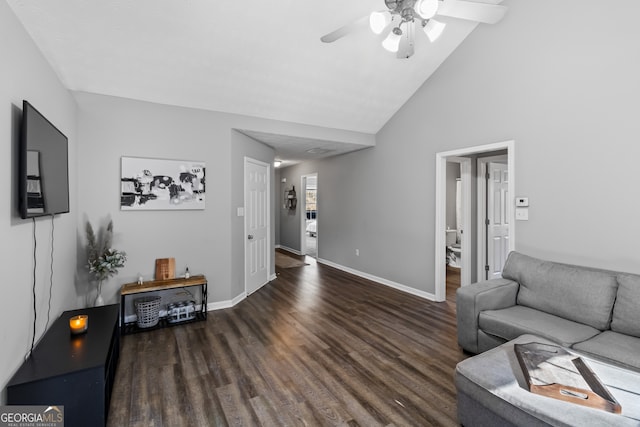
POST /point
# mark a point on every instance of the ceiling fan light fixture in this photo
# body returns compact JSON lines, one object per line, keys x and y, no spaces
{"x":426,"y":8}
{"x":392,"y":42}
{"x":378,"y":21}
{"x":433,"y":29}
{"x":413,"y":13}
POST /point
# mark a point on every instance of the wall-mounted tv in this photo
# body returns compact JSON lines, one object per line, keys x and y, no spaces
{"x":44,"y":166}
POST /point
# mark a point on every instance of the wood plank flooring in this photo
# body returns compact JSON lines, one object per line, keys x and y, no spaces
{"x":316,"y":346}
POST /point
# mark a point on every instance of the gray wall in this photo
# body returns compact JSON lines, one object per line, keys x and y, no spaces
{"x":277,"y":205}
{"x":25,"y":74}
{"x":110,"y":128}
{"x":565,"y":92}
{"x":568,"y":97}
{"x":209,"y":241}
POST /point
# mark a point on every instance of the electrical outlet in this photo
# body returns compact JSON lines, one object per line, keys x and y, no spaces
{"x":357,"y":252}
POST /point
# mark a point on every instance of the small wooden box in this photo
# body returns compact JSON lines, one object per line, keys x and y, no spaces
{"x":165,"y":268}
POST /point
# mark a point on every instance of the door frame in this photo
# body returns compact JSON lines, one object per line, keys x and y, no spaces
{"x":482,"y":163}
{"x":303,"y":213}
{"x":465,"y":247}
{"x":440,"y":214}
{"x":248,"y":160}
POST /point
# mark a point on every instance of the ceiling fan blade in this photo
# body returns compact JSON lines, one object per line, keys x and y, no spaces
{"x":471,"y":11}
{"x":406,"y":48}
{"x":346,"y":29}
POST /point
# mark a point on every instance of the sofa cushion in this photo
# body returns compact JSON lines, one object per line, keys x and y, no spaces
{"x":618,"y":348}
{"x":582,"y":294}
{"x":626,"y":315}
{"x":509,"y":323}
{"x":495,"y":381}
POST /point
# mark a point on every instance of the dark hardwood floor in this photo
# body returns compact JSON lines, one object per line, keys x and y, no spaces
{"x":316,"y":346}
{"x":453,"y":283}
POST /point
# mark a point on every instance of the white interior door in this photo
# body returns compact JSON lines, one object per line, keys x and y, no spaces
{"x":256,"y":224}
{"x":498,"y":219}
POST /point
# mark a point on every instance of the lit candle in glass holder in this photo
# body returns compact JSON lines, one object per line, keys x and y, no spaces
{"x":79,"y":324}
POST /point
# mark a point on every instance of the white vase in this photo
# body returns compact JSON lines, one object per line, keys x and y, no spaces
{"x":99,"y":301}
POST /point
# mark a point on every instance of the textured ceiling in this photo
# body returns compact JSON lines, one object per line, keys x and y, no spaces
{"x":291,"y":150}
{"x":256,"y":58}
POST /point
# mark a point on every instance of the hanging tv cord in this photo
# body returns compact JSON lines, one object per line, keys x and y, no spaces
{"x":50,"y":276}
{"x":35,"y":314}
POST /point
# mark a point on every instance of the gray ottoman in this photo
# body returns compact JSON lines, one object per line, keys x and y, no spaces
{"x":492,"y":391}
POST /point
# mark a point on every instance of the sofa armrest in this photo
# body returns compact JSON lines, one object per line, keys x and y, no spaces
{"x":471,"y":300}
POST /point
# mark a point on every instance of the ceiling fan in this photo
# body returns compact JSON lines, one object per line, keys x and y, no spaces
{"x":403,"y":16}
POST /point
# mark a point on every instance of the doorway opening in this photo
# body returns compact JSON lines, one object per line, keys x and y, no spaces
{"x":458,"y":220}
{"x":309,"y":215}
{"x":469,"y":255}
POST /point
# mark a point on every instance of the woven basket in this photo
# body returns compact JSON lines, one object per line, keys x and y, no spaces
{"x":148,"y":311}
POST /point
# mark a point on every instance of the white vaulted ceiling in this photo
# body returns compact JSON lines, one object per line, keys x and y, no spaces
{"x":252,"y":57}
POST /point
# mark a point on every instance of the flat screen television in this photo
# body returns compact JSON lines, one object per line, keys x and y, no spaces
{"x":44,"y":166}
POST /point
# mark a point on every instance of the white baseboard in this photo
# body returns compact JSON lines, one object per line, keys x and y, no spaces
{"x":273,"y":277}
{"x":220,"y":305}
{"x":382,"y":281}
{"x":293,"y":251}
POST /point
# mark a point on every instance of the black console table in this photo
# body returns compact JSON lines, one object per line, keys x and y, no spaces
{"x":76,"y":371}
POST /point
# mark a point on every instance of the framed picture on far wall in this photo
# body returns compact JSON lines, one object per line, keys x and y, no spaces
{"x":159,"y":184}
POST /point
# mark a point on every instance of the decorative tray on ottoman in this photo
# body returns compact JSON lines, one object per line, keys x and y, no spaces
{"x":554,"y":372}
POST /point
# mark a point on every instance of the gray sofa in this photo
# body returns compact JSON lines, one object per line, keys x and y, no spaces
{"x":593,"y":311}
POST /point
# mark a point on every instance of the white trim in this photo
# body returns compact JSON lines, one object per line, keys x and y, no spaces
{"x":496,"y":146}
{"x":220,"y":305}
{"x":441,"y":225}
{"x":303,"y":212}
{"x":274,"y":276}
{"x":440,"y":214}
{"x":382,"y":281}
{"x":270,"y":261}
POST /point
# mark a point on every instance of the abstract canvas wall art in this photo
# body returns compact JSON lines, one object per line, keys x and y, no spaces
{"x":160,"y":184}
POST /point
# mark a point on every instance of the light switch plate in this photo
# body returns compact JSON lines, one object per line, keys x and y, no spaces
{"x":522,"y":214}
{"x":240,"y":211}
{"x":522,"y":201}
